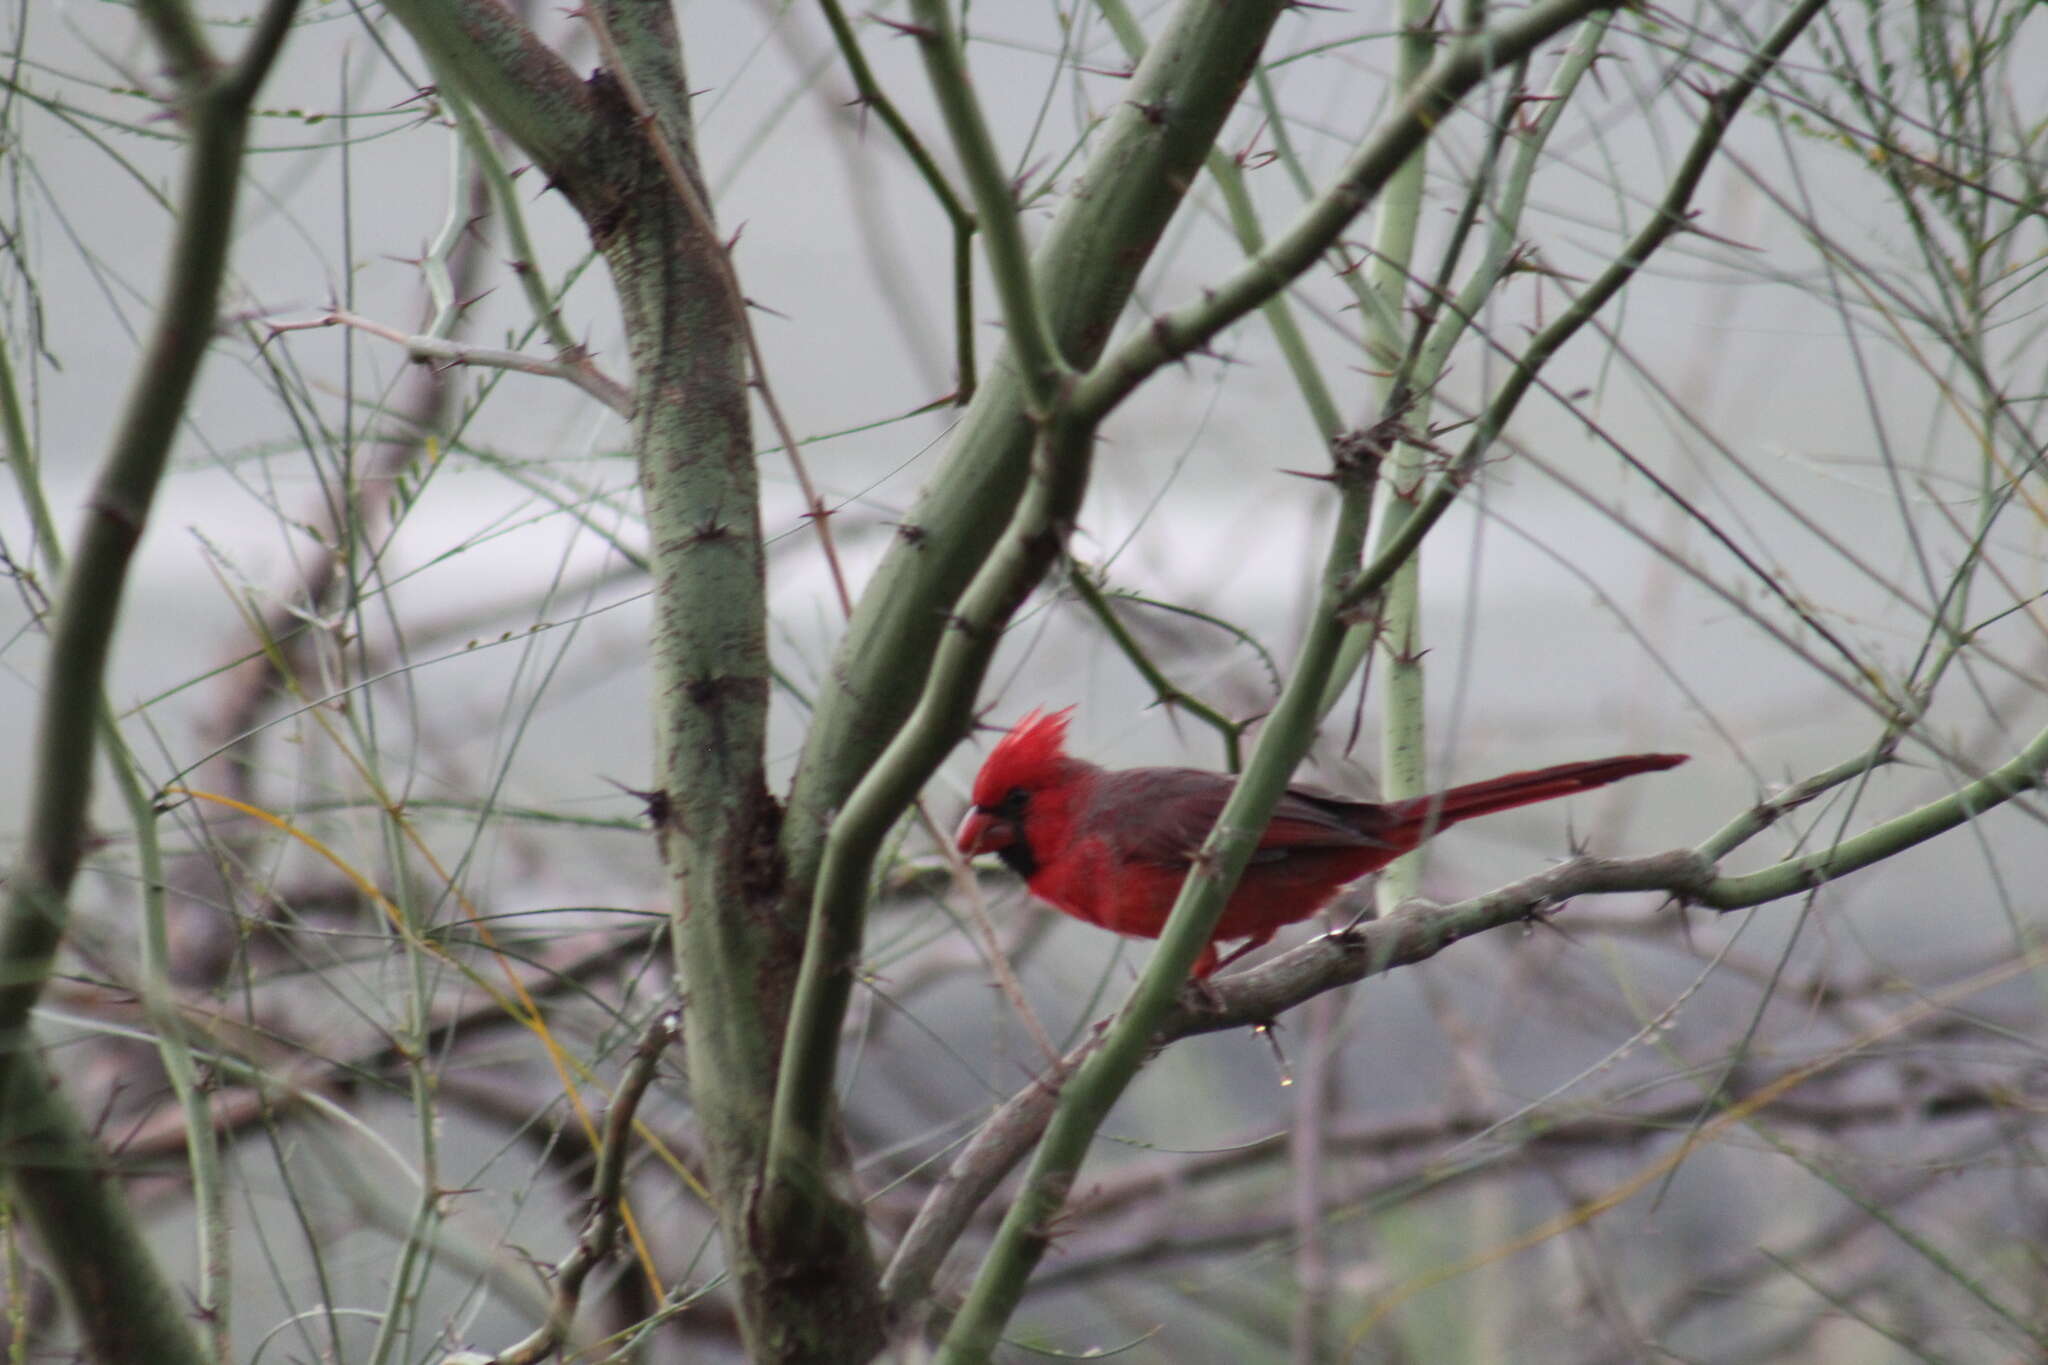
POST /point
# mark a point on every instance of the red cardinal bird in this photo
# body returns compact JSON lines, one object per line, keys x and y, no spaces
{"x":1112,"y":848}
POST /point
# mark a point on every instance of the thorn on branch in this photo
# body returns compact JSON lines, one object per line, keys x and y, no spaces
{"x":1358,"y":453}
{"x":1700,"y":87}
{"x":1353,"y":267}
{"x":1020,"y":181}
{"x":956,"y":621}
{"x":1427,"y":25}
{"x":1350,"y":937}
{"x":1542,"y":914}
{"x":657,"y":806}
{"x":923,"y":33}
{"x":1691,"y":225}
{"x":706,"y":691}
{"x":979,"y":722}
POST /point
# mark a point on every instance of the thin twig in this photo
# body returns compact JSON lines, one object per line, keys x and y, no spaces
{"x":574,"y":366}
{"x":873,"y":96}
{"x":1165,"y":691}
{"x":600,"y":1233}
{"x":967,"y":890}
{"x":1003,"y":1140}
{"x":1315,"y":1103}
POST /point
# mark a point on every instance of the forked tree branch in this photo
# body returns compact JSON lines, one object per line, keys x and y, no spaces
{"x":1413,"y":934}
{"x":1146,"y":155}
{"x":909,"y":645}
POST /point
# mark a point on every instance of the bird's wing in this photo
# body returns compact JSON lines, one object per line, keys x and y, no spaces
{"x":1161,"y":815}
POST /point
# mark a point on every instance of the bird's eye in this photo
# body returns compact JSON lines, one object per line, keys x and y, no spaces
{"x":1013,"y":803}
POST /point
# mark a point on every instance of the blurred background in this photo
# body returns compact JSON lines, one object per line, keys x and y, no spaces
{"x":1835,"y":378}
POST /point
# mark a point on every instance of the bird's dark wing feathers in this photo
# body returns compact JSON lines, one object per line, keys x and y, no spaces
{"x":1161,"y":815}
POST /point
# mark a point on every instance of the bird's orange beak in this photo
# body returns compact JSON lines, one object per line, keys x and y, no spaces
{"x":984,"y":832}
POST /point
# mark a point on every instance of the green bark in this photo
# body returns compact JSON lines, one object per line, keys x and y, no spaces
{"x":621,"y":146}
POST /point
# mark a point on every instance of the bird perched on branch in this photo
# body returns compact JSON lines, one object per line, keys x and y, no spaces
{"x":1112,"y":848}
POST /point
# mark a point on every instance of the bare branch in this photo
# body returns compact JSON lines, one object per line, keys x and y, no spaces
{"x":601,"y":1228}
{"x":574,"y":367}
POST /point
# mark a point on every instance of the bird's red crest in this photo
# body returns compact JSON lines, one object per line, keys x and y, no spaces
{"x":1025,"y":757}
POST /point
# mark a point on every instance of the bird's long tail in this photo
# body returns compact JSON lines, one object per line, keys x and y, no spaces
{"x":1522,"y":789}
